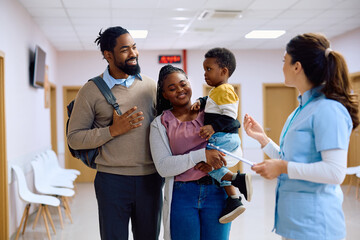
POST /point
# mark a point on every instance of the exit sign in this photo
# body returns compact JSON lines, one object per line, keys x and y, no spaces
{"x":169,"y":59}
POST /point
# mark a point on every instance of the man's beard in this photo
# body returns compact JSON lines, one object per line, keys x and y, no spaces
{"x":128,"y":69}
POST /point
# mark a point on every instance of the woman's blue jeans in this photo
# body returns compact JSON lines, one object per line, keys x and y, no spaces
{"x":195,"y":212}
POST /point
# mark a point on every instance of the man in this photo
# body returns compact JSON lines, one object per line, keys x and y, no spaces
{"x":127,"y":185}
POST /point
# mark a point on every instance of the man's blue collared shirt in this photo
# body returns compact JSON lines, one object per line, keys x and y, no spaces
{"x":111,"y":82}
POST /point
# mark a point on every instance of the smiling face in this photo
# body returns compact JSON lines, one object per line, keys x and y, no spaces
{"x":177,"y":89}
{"x":124,"y":57}
{"x":214,"y":74}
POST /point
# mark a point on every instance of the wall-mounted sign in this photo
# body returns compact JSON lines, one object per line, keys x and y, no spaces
{"x":169,"y":59}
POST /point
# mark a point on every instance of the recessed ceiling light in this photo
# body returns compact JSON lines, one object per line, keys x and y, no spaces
{"x":138,"y":33}
{"x":265,"y":34}
{"x":180,"y":18}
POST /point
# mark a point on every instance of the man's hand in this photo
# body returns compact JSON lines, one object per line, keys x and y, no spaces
{"x":125,"y":122}
{"x":206,"y":132}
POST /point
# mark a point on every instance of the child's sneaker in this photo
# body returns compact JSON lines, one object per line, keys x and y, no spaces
{"x":243,"y":182}
{"x":232,"y":210}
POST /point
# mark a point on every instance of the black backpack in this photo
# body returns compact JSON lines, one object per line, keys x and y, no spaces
{"x":87,"y":156}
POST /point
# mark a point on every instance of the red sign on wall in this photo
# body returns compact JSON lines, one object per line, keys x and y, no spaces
{"x":169,"y":59}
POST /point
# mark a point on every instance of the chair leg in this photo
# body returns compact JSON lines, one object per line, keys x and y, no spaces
{"x":50,"y":219}
{"x":46,"y":224}
{"x":37,"y":216}
{"x":66,"y":199}
{"x":26,"y":217}
{"x":60,"y":217}
{"x":21,"y":222}
{"x":357,"y":188}
{"x":67,"y":210}
{"x":348,"y":189}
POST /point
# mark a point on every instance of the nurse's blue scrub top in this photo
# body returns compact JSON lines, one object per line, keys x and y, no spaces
{"x":308,"y":210}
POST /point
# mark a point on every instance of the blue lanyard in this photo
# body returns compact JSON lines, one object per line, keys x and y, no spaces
{"x":297,"y":111}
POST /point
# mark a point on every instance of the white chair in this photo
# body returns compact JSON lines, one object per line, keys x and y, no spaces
{"x":53,"y":159}
{"x":42,"y":185}
{"x":30,"y":197}
{"x":54,"y":176}
{"x":351,"y":171}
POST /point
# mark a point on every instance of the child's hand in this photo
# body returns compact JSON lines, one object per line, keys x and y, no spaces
{"x":204,"y":167}
{"x":196,"y":106}
{"x":206,"y":132}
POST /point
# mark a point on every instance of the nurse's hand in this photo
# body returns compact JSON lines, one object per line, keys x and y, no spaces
{"x":271,"y":168}
{"x":254,"y":130}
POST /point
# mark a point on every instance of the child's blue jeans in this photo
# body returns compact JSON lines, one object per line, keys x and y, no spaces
{"x":229,"y":142}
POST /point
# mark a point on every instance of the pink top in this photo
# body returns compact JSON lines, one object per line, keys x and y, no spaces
{"x":184,"y":138}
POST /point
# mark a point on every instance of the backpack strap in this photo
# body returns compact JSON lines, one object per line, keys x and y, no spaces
{"x":105,"y":90}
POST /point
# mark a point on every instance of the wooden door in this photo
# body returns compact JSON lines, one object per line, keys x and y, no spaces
{"x":4,"y":202}
{"x":87,"y":174}
{"x":354,"y":151}
{"x":279,"y":102}
{"x":237,"y":88}
{"x":53,"y":121}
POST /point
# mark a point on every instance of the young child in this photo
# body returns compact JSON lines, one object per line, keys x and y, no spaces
{"x":221,"y":126}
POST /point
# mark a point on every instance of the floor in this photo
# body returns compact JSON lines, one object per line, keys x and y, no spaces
{"x":254,"y":224}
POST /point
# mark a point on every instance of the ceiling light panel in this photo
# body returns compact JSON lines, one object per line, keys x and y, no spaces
{"x":265,"y":34}
{"x":138,"y":33}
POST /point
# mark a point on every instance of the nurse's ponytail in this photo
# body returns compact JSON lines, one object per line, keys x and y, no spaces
{"x":323,"y":66}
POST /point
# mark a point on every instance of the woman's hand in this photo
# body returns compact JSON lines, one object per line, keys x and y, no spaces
{"x":206,"y":132}
{"x":270,"y":168}
{"x":204,"y":167}
{"x":254,"y":130}
{"x":215,"y":158}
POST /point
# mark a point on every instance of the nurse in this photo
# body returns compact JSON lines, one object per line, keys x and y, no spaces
{"x":310,"y":162}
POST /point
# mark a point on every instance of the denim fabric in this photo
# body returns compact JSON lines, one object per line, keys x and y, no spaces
{"x":195,"y":212}
{"x":218,"y":174}
{"x":121,"y":198}
{"x":229,"y":142}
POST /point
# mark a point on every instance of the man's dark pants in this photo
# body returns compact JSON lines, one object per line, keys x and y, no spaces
{"x":121,"y":198}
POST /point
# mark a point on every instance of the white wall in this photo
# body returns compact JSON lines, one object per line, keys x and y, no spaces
{"x":349,"y":46}
{"x":27,"y":121}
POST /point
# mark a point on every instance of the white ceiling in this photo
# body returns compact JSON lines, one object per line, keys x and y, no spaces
{"x":74,"y":24}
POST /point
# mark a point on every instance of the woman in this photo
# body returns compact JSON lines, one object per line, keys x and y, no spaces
{"x":311,"y":161}
{"x":193,"y":201}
